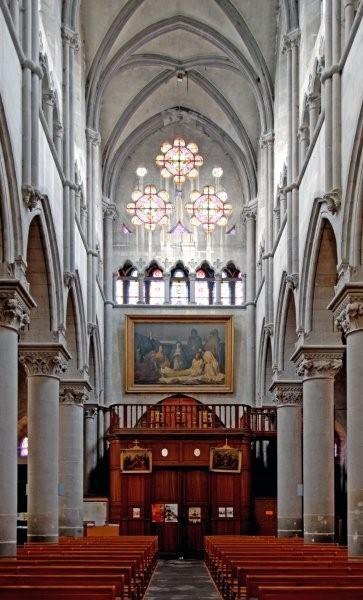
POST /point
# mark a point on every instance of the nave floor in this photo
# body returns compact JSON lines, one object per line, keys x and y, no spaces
{"x":181,"y":580}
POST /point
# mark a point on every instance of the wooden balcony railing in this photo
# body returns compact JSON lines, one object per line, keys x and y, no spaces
{"x":192,"y":417}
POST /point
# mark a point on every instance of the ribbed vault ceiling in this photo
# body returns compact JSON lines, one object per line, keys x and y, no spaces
{"x":134,"y":49}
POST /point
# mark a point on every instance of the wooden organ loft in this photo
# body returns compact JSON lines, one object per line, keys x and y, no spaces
{"x":180,"y":432}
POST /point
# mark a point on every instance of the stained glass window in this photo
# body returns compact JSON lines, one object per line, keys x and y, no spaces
{"x":23,"y":450}
{"x":154,"y":287}
{"x":150,"y":207}
{"x":119,"y":291}
{"x":179,"y":288}
{"x":239,"y":290}
{"x":203,"y":287}
{"x":179,"y":160}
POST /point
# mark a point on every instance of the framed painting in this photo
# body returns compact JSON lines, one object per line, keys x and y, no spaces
{"x":225,"y":460}
{"x":172,"y":353}
{"x":136,"y":460}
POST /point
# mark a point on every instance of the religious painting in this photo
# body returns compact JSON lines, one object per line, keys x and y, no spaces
{"x":136,"y":460}
{"x":225,"y":460}
{"x":171,"y":513}
{"x":157,"y":513}
{"x":173,"y":353}
{"x":194,"y":514}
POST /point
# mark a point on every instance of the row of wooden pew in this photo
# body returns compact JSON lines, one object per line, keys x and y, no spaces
{"x":267,"y":568}
{"x":92,"y":568}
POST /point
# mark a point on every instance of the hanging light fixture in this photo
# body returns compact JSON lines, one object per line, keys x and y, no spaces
{"x":150,"y":207}
{"x":209,"y":208}
{"x":179,"y":160}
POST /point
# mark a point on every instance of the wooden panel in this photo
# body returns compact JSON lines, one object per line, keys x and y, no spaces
{"x":135,"y":488}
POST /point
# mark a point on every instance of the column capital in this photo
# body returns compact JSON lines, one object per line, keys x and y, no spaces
{"x":313,"y":100}
{"x":303,"y":132}
{"x":32,"y":197}
{"x":287,"y":392}
{"x":74,"y":392}
{"x":318,"y":361}
{"x":93,"y":136}
{"x":71,"y":37}
{"x":108,"y":209}
{"x":333,"y":199}
{"x":291,"y":40}
{"x":49,"y":96}
{"x":267,"y":139}
{"x":15,"y":304}
{"x":47,"y":360}
{"x":347,"y":307}
{"x":90,"y":411}
{"x":249,"y":213}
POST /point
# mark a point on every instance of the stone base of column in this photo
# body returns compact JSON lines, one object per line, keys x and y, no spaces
{"x":7,"y":549}
{"x":289,"y":527}
{"x":42,"y":539}
{"x":355,"y":522}
{"x":318,"y":529}
{"x":71,"y":531}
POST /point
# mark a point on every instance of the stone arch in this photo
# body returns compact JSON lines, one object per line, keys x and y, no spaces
{"x":95,"y":367}
{"x":352,"y":226}
{"x":73,"y":336}
{"x":11,"y":235}
{"x":48,"y":238}
{"x":319,"y":277}
{"x":286,"y":326}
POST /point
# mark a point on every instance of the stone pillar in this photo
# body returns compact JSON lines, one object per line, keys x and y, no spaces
{"x":348,"y":311}
{"x":349,"y":14}
{"x":14,"y":314}
{"x":109,"y":213}
{"x":90,"y":447}
{"x":313,"y":102}
{"x":192,"y":288}
{"x":249,"y":217}
{"x":141,"y":282}
{"x":304,"y":142}
{"x":44,"y":364}
{"x":14,"y":10}
{"x":166,"y":288}
{"x":218,"y":284}
{"x":49,"y":102}
{"x":73,"y":393}
{"x":289,"y":395}
{"x":318,"y":365}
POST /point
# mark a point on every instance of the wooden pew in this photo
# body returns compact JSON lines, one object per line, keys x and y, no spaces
{"x":254,"y":583}
{"x":311,"y":593}
{"x":56,"y":593}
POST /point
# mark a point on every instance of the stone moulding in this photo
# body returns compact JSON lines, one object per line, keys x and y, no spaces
{"x":318,"y":361}
{"x":347,"y":307}
{"x":287,"y":392}
{"x":15,"y":304}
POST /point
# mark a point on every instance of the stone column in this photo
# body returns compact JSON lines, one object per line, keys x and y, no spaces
{"x":318,"y":365}
{"x":304,"y":142}
{"x":218,"y":284}
{"x":313,"y":101}
{"x":141,"y":282}
{"x":90,"y":447}
{"x":73,"y":393}
{"x":249,"y":217}
{"x":289,"y":395}
{"x":192,"y":288}
{"x":348,"y":311}
{"x":109,"y":213}
{"x":14,"y":314}
{"x":166,"y":288}
{"x":14,"y":10}
{"x":44,"y":364}
{"x":49,"y":102}
{"x":349,"y":14}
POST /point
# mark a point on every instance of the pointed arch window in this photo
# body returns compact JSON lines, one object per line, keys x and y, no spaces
{"x":232,"y":286}
{"x":127,"y":285}
{"x":204,"y":285}
{"x":24,"y":447}
{"x":179,"y":285}
{"x":154,"y":285}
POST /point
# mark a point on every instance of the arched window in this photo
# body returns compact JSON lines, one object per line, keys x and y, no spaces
{"x":127,"y":285}
{"x":204,"y":285}
{"x":23,"y":448}
{"x":154,"y":285}
{"x":232,"y":286}
{"x":179,"y":285}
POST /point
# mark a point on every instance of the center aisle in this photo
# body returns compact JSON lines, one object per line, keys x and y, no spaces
{"x":181,"y":580}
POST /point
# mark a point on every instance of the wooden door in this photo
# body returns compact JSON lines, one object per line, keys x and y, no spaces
{"x":195,"y":511}
{"x":266,"y":516}
{"x":166,"y":488}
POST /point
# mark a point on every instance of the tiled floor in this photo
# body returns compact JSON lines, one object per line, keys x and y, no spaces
{"x":181,"y":580}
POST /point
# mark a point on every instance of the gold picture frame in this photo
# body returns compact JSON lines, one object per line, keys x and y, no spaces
{"x":225,"y":459}
{"x":175,"y":353}
{"x":135,"y":460}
